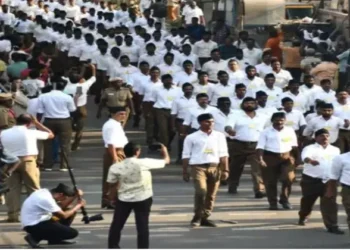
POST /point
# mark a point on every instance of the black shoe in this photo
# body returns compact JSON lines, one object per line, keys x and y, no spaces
{"x":223,"y":183}
{"x":195,"y":222}
{"x":31,"y":242}
{"x":335,"y":230}
{"x":302,"y":222}
{"x":273,"y":207}
{"x":286,"y":205}
{"x":260,"y":195}
{"x":232,"y":190}
{"x":4,"y":189}
{"x":62,"y":242}
{"x":207,"y":223}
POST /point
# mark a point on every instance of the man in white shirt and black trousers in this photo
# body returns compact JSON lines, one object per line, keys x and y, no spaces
{"x":277,"y":152}
{"x":205,"y":151}
{"x":317,"y":160}
{"x":56,"y":107}
{"x":46,"y":215}
{"x":134,"y":181}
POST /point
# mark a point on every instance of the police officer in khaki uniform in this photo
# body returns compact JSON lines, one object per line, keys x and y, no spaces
{"x":7,"y":116}
{"x":117,"y":96}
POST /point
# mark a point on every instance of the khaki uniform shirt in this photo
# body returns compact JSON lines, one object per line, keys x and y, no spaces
{"x":7,"y":119}
{"x":116,"y":98}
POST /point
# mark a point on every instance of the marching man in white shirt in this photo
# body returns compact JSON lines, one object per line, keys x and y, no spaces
{"x":114,"y":139}
{"x":317,"y":160}
{"x":245,"y":128}
{"x":340,"y":171}
{"x":20,"y":141}
{"x":277,"y":152}
{"x":205,"y":152}
{"x":179,"y":111}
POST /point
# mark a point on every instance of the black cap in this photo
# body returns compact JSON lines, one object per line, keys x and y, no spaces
{"x":204,"y":117}
{"x":321,"y":132}
{"x":115,"y":110}
{"x":64,"y":189}
{"x":278,"y":115}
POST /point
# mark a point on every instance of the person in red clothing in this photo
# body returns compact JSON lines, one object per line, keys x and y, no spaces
{"x":273,"y":43}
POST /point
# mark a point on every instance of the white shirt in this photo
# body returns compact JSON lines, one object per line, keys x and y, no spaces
{"x":277,"y":141}
{"x":247,"y":129}
{"x":113,"y":134}
{"x":33,"y":86}
{"x":87,"y":51}
{"x":309,"y":117}
{"x":163,"y":98}
{"x":102,"y":61}
{"x":263,"y":69}
{"x":146,"y":89}
{"x":71,"y":89}
{"x":282,"y":78}
{"x":272,"y":95}
{"x":252,"y":56}
{"x":44,"y":35}
{"x":8,"y":18}
{"x":307,"y":91}
{"x":133,"y":52}
{"x":75,"y":46}
{"x":236,"y":76}
{"x":221,"y":120}
{"x":123,"y":72}
{"x":56,"y":104}
{"x":220,"y":90}
{"x":341,"y":168}
{"x":32,"y":107}
{"x":169,"y":69}
{"x":134,"y":178}
{"x":193,"y":113}
{"x":295,"y":119}
{"x":21,"y":141}
{"x":138,"y":78}
{"x":201,"y":148}
{"x":154,"y":60}
{"x":322,"y":95}
{"x":72,"y":11}
{"x":342,"y":111}
{"x":332,"y":125}
{"x":213,"y":67}
{"x":236,"y":102}
{"x":191,"y":57}
{"x":181,"y":106}
{"x":38,"y":207}
{"x":300,"y":101}
{"x":268,"y":111}
{"x":199,"y":88}
{"x":182,"y":77}
{"x":203,"y":49}
{"x":324,"y":156}
{"x":253,"y":85}
{"x":190,"y":13}
{"x":24,"y":26}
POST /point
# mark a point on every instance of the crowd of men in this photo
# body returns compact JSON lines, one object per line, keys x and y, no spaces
{"x":227,"y":101}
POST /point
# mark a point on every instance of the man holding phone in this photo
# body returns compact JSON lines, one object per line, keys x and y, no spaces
{"x":77,"y":87}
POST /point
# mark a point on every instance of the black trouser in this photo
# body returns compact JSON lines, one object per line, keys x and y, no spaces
{"x":122,"y":211}
{"x":52,"y":231}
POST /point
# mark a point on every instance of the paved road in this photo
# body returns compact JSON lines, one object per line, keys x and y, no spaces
{"x":172,"y":211}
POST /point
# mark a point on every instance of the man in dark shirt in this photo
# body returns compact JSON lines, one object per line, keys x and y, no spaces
{"x":195,"y":29}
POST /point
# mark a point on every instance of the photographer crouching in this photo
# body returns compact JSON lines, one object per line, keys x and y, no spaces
{"x":45,"y":215}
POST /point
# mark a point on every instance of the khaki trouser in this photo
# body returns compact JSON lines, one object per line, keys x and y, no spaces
{"x":62,"y":128}
{"x":343,"y":141}
{"x":311,"y":189}
{"x":279,"y":167}
{"x":27,"y":173}
{"x":180,"y":141}
{"x":240,"y":153}
{"x":206,"y":179}
{"x":345,"y":194}
{"x":163,"y":118}
{"x":107,"y":163}
{"x":150,"y":122}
